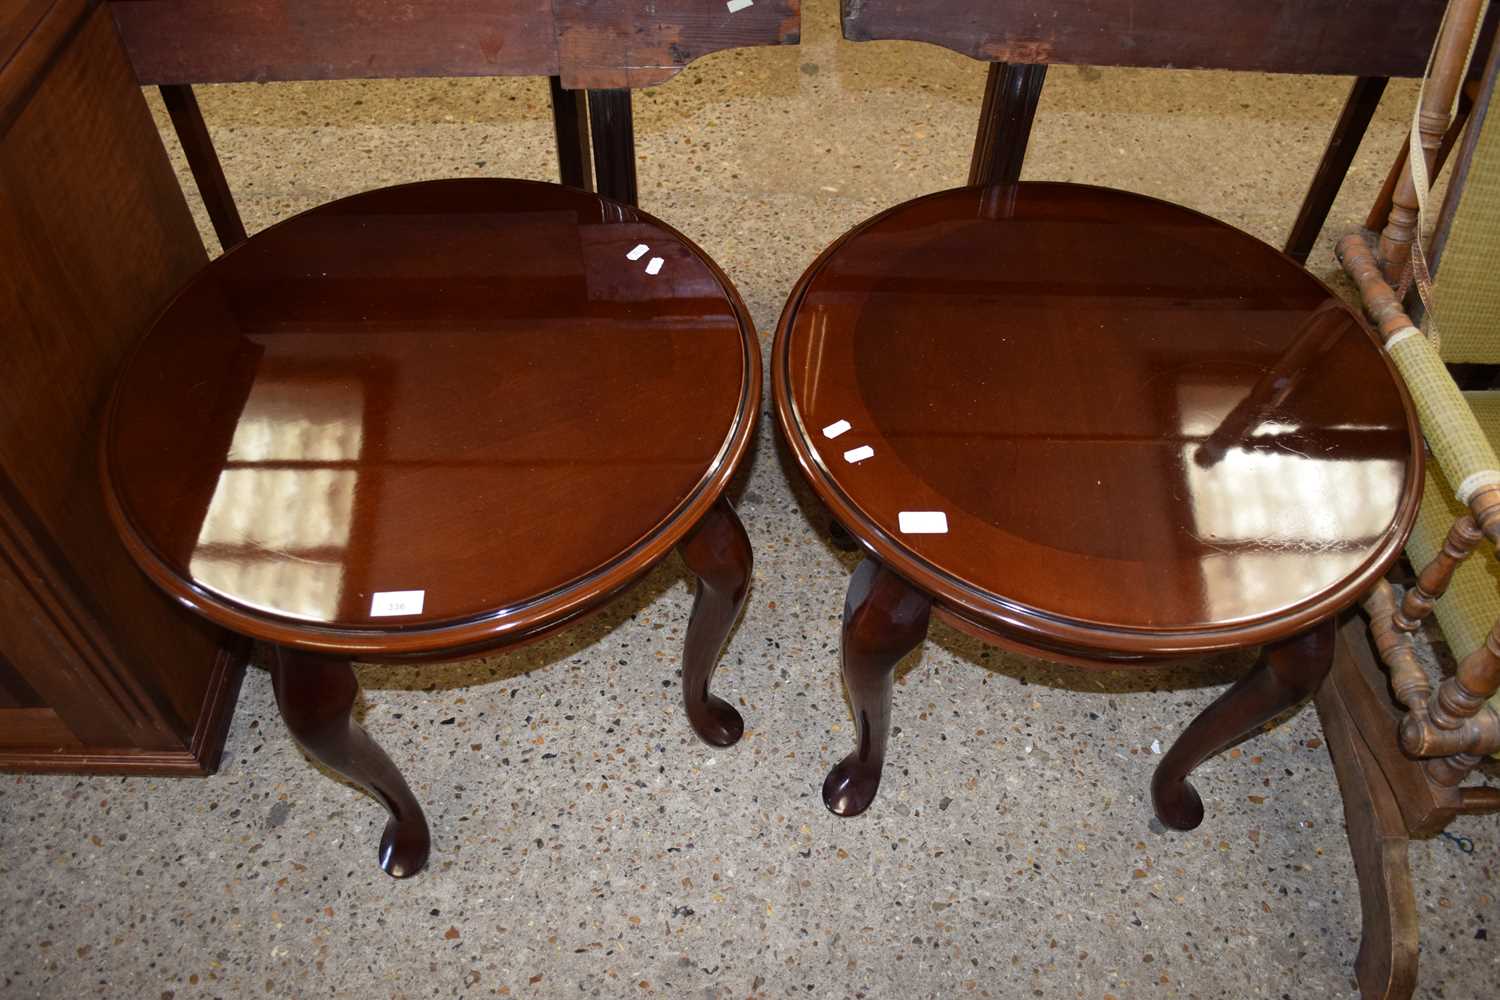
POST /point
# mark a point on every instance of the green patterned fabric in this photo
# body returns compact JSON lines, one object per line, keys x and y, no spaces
{"x":1462,"y":430}
{"x":1466,"y":288}
{"x":1459,"y":445}
{"x":1471,"y":606}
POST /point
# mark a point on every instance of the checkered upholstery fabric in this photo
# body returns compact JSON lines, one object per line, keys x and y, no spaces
{"x":1466,"y":290}
{"x":1457,"y":442}
{"x":1462,"y":429}
{"x":1471,"y":606}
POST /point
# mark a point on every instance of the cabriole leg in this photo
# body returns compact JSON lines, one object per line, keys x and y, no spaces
{"x":316,"y":697}
{"x":717,"y":552}
{"x":1286,"y":673}
{"x":884,"y":619}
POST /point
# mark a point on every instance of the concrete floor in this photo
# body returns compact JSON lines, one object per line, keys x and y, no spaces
{"x":585,"y":843}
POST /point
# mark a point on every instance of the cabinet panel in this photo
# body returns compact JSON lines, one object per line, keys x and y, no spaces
{"x":96,"y":236}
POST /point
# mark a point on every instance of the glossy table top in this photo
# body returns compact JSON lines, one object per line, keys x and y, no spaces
{"x":475,"y":389}
{"x":1147,"y":431}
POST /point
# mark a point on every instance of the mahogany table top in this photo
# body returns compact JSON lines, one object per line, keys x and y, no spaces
{"x":1143,"y":430}
{"x":479,"y":390}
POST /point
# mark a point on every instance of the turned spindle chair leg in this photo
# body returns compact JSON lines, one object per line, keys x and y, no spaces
{"x":717,"y":552}
{"x":1438,"y":95}
{"x":1462,"y":696}
{"x":1432,"y":583}
{"x":884,"y":619}
{"x":1408,"y":678}
{"x":1286,"y":673}
{"x":1460,"y":726}
{"x":316,"y":697}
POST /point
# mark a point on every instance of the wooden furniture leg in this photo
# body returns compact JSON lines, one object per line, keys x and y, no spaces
{"x":1286,"y":673}
{"x":1364,"y":97}
{"x":1010,"y":96}
{"x":316,"y":696}
{"x":613,"y":130}
{"x":1438,"y":93}
{"x":884,"y":619}
{"x":198,"y":147}
{"x":570,"y":125}
{"x":1386,"y":966}
{"x":717,"y":551}
{"x":1382,"y":207}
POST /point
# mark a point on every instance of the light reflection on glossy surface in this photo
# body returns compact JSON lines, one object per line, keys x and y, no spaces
{"x":464,"y":388}
{"x":1098,"y":386}
{"x":287,"y":486}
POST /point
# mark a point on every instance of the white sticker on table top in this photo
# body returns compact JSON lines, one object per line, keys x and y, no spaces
{"x":653,"y":265}
{"x":638,"y":252}
{"x":735,"y":6}
{"x":923,"y":522}
{"x":397,"y":602}
{"x":859,"y":454}
{"x":836,"y":428}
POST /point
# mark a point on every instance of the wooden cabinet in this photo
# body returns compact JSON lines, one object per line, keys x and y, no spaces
{"x":98,"y":671}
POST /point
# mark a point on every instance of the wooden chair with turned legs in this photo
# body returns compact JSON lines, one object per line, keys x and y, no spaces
{"x":1404,"y":743}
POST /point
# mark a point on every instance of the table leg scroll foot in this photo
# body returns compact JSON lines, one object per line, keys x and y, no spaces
{"x":884,"y":619}
{"x":717,"y":552}
{"x":316,"y":697}
{"x":1286,"y":673}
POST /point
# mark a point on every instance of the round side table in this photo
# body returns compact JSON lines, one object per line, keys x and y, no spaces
{"x":433,"y":420}
{"x":1097,"y":428}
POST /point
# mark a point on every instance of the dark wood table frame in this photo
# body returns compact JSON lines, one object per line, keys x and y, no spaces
{"x":1387,"y":796}
{"x":1016,"y":580}
{"x":578,"y":44}
{"x":1371,"y":41}
{"x":352,"y":347}
{"x":98,"y":671}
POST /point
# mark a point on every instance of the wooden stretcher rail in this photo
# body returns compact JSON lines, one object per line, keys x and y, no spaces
{"x":588,"y":43}
{"x":1347,"y":37}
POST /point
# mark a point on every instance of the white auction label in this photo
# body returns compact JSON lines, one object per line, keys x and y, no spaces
{"x":397,"y":602}
{"x":924,"y":522}
{"x":836,"y":428}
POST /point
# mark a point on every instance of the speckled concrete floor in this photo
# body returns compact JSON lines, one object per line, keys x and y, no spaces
{"x":586,"y":844}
